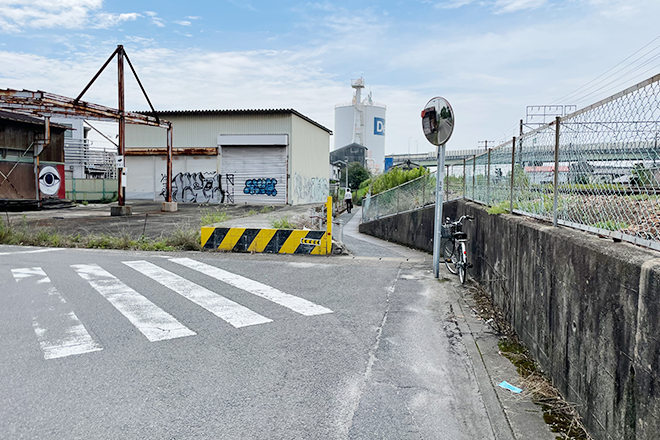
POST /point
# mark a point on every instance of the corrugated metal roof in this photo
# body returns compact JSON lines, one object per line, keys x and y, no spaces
{"x":238,"y":111}
{"x":26,"y":119}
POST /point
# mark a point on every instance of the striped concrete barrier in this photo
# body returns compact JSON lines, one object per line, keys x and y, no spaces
{"x":276,"y":241}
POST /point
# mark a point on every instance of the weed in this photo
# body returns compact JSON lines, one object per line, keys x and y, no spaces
{"x":282,"y":223}
{"x":610,"y":225}
{"x":500,"y":208}
{"x":212,"y":216}
{"x":251,"y":212}
{"x":85,"y":203}
{"x":267,"y":209}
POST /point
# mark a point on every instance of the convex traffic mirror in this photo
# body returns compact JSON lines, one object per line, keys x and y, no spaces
{"x":438,"y":121}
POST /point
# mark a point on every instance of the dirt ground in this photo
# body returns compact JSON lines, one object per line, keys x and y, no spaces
{"x":146,"y":219}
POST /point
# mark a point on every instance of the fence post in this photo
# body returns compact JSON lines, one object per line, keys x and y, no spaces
{"x":463,"y":178}
{"x":556,"y":190}
{"x":488,"y":181}
{"x":513,"y":169}
{"x":447,"y":183}
{"x":424,"y":179}
{"x":474,"y":172}
{"x":397,"y":201}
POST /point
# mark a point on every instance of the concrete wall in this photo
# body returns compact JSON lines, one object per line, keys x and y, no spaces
{"x":587,"y":308}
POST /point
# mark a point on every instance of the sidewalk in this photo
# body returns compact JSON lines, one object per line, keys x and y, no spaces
{"x":512,"y":416}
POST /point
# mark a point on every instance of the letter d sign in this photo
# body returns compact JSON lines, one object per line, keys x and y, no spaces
{"x":379,"y":126}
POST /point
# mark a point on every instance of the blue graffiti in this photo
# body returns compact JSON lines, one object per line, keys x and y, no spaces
{"x":260,"y":186}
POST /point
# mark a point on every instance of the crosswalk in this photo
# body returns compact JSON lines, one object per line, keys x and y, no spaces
{"x":61,"y":333}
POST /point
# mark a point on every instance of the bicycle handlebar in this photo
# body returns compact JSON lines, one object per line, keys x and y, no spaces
{"x":460,"y":220}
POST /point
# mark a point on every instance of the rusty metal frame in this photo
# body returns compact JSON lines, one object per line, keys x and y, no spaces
{"x":47,"y":104}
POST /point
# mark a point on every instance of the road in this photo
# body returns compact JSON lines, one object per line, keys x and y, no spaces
{"x":133,"y":345}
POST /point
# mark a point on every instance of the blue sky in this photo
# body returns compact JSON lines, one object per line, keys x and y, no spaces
{"x":489,"y":58}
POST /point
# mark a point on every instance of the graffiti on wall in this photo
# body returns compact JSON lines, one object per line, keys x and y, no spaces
{"x":311,"y":189}
{"x":260,"y":186}
{"x":198,"y":187}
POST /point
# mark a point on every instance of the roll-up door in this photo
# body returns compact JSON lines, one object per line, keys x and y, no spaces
{"x":258,"y":174}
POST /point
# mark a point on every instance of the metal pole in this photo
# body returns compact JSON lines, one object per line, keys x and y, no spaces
{"x":488,"y":181}
{"x":513,"y":169}
{"x":474,"y":172}
{"x":464,"y":178}
{"x":122,"y":119}
{"x":447,"y":182}
{"x":554,"y":204}
{"x":437,"y":234}
{"x":169,"y":164}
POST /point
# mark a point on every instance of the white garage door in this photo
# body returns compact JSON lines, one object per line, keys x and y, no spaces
{"x":259,"y":174}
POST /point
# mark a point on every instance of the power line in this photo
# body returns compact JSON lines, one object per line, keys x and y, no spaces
{"x":612,"y":68}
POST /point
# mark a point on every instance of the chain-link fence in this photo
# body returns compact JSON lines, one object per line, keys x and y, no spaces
{"x":597,"y":169}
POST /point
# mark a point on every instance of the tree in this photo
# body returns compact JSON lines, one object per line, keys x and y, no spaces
{"x":356,"y":175}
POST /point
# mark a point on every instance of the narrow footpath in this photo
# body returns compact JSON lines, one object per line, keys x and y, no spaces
{"x":441,"y":317}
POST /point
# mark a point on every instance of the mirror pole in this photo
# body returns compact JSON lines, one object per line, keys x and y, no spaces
{"x":437,"y":236}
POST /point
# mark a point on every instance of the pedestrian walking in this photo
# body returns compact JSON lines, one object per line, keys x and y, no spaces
{"x":348,"y":197}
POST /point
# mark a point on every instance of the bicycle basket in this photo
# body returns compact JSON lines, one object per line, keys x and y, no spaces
{"x":448,"y":230}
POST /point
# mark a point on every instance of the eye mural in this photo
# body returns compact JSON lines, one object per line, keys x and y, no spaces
{"x":49,"y":181}
{"x":260,"y":186}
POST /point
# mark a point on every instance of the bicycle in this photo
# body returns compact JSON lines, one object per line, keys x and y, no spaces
{"x":454,"y":250}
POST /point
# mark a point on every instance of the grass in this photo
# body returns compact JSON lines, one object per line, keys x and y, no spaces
{"x":610,"y":225}
{"x":267,"y":209}
{"x":282,"y":223}
{"x":500,"y":208}
{"x":182,"y":239}
{"x":212,"y":216}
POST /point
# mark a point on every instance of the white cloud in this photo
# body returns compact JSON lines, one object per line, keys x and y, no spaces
{"x":507,"y":6}
{"x":155,"y":19}
{"x":183,"y":23}
{"x":18,"y":15}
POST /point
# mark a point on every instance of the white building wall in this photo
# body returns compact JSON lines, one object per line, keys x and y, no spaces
{"x":201,"y":130}
{"x":195,"y":178}
{"x":309,"y":156}
{"x":307,"y":166}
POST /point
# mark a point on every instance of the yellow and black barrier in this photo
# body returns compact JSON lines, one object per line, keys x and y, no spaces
{"x":277,"y":241}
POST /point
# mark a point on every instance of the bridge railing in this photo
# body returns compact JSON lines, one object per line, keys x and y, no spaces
{"x":597,"y":169}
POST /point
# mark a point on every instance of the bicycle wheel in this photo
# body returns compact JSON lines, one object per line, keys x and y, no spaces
{"x":462,"y":265}
{"x":449,"y":252}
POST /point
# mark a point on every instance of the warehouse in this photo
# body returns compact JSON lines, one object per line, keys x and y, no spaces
{"x":267,"y":157}
{"x":31,"y":160}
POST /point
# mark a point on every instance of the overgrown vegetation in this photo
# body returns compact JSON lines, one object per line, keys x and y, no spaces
{"x":500,"y":208}
{"x":212,"y":216}
{"x":560,"y":415}
{"x":181,"y":239}
{"x":395,"y":177}
{"x":282,"y":223}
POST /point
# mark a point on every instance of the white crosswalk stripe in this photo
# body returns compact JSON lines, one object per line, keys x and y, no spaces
{"x":61,"y":333}
{"x":148,"y":318}
{"x":58,"y":329}
{"x":294,"y":303}
{"x":231,"y":312}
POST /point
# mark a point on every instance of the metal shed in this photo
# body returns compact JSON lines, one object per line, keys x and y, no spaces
{"x":31,"y":159}
{"x":232,"y":156}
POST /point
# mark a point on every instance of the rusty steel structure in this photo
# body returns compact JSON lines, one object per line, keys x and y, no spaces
{"x":47,"y":104}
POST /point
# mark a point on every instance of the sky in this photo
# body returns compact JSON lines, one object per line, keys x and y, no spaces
{"x":489,"y":58}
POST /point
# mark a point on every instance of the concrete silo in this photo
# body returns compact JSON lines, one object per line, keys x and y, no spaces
{"x":362,"y":122}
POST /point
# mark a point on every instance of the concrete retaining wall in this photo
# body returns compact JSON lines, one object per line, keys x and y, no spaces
{"x":587,"y":308}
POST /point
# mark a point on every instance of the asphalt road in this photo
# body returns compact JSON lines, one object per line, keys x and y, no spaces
{"x":134,"y":345}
